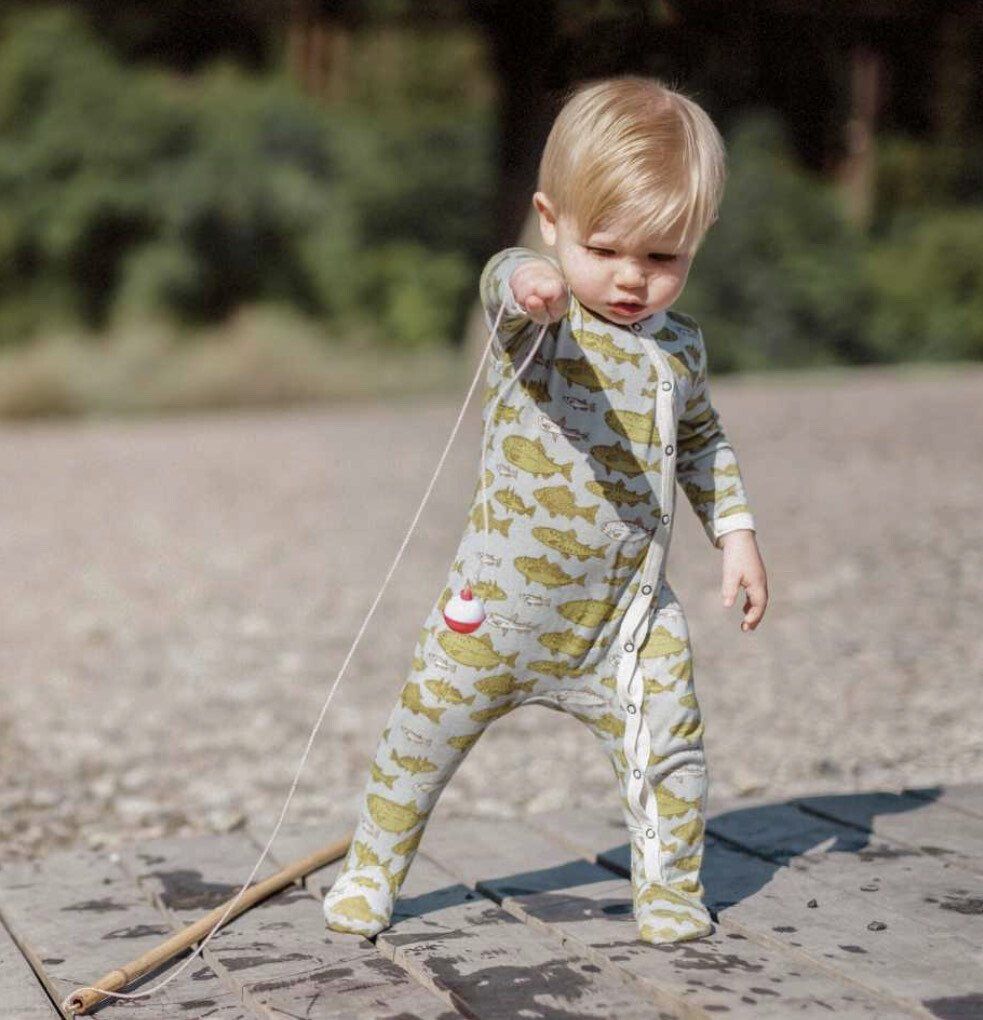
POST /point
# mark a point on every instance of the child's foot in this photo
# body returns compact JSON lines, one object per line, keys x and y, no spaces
{"x":360,"y":902}
{"x":665,"y":915}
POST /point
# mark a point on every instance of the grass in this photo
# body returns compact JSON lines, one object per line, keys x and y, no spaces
{"x":261,"y":357}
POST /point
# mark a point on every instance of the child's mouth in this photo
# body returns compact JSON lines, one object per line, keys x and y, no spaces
{"x":626,"y":308}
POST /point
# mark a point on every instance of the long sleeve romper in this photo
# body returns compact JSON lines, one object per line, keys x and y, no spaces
{"x":581,"y":468}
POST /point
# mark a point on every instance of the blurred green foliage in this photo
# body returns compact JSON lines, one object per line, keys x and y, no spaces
{"x":131,"y":193}
{"x":778,"y":279}
{"x":785,"y":280}
{"x":126,"y":191}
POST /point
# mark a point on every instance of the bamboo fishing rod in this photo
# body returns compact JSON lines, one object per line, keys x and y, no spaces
{"x":84,"y":999}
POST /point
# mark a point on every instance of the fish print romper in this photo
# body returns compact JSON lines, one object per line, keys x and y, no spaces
{"x":581,"y":469}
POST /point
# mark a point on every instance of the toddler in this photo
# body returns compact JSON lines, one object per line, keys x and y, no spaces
{"x":580,"y":479}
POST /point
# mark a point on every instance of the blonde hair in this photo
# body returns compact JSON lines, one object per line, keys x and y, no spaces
{"x":631,"y":149}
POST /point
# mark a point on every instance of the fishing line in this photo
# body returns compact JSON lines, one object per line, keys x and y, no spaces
{"x":358,"y":637}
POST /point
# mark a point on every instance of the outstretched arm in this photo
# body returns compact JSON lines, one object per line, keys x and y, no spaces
{"x":706,"y":465}
{"x":707,"y":470}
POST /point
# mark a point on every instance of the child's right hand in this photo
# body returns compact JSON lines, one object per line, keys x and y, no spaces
{"x":539,"y":287}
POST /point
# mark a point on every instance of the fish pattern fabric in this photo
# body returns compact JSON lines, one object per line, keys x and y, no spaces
{"x":580,"y":475}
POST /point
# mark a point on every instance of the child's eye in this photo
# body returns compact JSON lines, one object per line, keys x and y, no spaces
{"x":600,"y":251}
{"x":662,"y":257}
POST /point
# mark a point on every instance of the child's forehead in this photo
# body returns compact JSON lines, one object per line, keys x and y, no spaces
{"x":627,"y":235}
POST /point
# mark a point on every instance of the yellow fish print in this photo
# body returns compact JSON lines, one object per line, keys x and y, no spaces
{"x":565,"y":642}
{"x":689,"y":832}
{"x":610,"y":724}
{"x":356,"y":908}
{"x":654,"y":687}
{"x":511,"y":500}
{"x":730,"y":470}
{"x":408,"y":845}
{"x":445,"y":597}
{"x":558,"y":670}
{"x":617,"y":492}
{"x":412,"y":698}
{"x":365,"y":855}
{"x":411,"y":764}
{"x":632,"y":560}
{"x":443,"y":690}
{"x":688,"y":700}
{"x":499,"y":524}
{"x":506,"y":413}
{"x":691,"y":730}
{"x":671,"y":806}
{"x":477,"y":652}
{"x":683,"y":670}
{"x":605,"y":346}
{"x":558,"y":499}
{"x":542,"y":571}
{"x":661,"y":642}
{"x":499,"y":685}
{"x":740,"y":508}
{"x":489,"y":591}
{"x":618,"y":458}
{"x":567,"y":544}
{"x":485,"y":715}
{"x":639,"y":428}
{"x":530,"y":455}
{"x":465,"y":742}
{"x":379,"y":776}
{"x":588,"y":612}
{"x":582,"y":373}
{"x":391,"y":815}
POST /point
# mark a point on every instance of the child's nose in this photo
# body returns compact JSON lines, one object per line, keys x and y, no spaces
{"x":630,"y":276}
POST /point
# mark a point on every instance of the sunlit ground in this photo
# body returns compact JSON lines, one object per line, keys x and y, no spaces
{"x":179,"y":592}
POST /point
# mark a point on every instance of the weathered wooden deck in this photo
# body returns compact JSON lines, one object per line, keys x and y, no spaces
{"x":855,"y":905}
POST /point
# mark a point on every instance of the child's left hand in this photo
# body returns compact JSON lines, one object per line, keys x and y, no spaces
{"x":743,"y":566}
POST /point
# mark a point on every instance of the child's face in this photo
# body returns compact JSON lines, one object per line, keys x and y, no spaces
{"x":619,"y":282}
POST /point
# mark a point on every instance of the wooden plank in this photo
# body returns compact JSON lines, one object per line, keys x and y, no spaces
{"x":927,"y":826}
{"x":280,"y":955}
{"x":536,"y":878}
{"x":967,"y":797}
{"x":77,"y":915}
{"x":491,"y":965}
{"x":943,"y":899}
{"x":21,"y":993}
{"x":405,"y":997}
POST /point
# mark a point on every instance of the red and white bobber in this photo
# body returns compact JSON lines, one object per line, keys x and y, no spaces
{"x":464,"y":612}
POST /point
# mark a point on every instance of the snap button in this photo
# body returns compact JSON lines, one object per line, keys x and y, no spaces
{"x":665,"y":518}
{"x":637,"y":773}
{"x":669,"y":449}
{"x":646,"y":589}
{"x":636,"y":326}
{"x":666,"y":385}
{"x":629,"y":646}
{"x":631,"y":709}
{"x":650,"y":833}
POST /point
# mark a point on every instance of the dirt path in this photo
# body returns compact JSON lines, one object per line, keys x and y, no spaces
{"x":179,"y":594}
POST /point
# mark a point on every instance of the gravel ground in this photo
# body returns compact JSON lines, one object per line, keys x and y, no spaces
{"x":180,"y":593}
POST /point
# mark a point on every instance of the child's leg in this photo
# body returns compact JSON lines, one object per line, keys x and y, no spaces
{"x":668,"y":906}
{"x":438,"y":717}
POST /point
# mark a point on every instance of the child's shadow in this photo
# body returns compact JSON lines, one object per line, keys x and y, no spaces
{"x":745,"y":847}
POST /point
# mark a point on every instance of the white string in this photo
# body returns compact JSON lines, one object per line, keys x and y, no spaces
{"x":317,"y":725}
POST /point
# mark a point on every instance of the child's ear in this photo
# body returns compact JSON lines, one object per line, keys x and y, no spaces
{"x":547,"y":217}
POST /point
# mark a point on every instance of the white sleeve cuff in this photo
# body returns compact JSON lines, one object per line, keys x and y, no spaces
{"x":723,"y":526}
